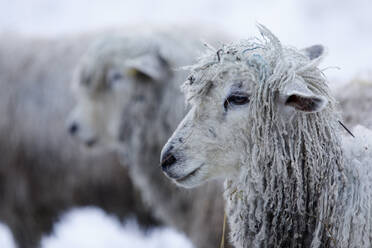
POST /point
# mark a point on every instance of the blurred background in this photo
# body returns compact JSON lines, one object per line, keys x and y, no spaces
{"x":344,"y":27}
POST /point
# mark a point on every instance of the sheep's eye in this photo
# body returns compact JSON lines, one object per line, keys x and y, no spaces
{"x":113,"y":77}
{"x":116,"y":76}
{"x":236,"y":99}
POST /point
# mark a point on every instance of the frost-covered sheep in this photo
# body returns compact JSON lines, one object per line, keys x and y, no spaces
{"x":262,"y":117}
{"x":43,"y":172}
{"x":127,"y":89}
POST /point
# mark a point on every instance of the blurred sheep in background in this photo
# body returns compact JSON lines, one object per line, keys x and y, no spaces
{"x":43,"y":172}
{"x":128,"y":96}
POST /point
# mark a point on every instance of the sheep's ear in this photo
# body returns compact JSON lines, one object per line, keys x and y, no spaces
{"x":304,"y":103}
{"x":148,"y":67}
{"x":314,"y":52}
{"x":299,"y":97}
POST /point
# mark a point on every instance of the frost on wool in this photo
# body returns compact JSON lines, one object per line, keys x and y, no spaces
{"x":297,"y":185}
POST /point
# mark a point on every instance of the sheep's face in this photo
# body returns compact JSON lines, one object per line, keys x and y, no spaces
{"x":100,"y":96}
{"x":204,"y":144}
{"x":112,"y":76}
{"x":214,"y":139}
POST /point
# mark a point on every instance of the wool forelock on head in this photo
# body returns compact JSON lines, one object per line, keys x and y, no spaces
{"x":288,"y":163}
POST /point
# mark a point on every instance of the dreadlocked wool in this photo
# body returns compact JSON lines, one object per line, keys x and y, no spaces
{"x":300,"y":184}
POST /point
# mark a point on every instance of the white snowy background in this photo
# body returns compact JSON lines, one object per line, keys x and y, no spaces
{"x":343,"y":26}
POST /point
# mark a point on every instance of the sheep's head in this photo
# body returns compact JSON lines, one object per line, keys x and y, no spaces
{"x":240,"y":96}
{"x":115,"y":73}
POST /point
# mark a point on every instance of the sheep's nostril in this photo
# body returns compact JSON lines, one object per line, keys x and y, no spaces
{"x":73,"y":128}
{"x":167,"y":159}
{"x":168,"y":162}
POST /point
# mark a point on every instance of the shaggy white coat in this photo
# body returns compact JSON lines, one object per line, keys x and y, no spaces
{"x":292,"y":181}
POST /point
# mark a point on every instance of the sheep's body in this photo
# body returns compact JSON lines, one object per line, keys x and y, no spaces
{"x":43,"y":173}
{"x":355,"y":209}
{"x":263,"y":118}
{"x":150,"y":109}
{"x":347,"y":222}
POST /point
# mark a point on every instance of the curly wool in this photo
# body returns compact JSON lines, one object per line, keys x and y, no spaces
{"x":294,"y":188}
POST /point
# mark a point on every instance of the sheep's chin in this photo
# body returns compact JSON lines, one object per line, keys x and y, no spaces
{"x":205,"y":173}
{"x":193,"y":179}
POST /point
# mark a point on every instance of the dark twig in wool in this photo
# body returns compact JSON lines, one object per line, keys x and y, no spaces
{"x":346,"y":129}
{"x":218,"y":54}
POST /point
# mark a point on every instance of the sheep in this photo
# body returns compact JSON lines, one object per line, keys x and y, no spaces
{"x":43,"y":172}
{"x":128,"y":98}
{"x":262,"y":117}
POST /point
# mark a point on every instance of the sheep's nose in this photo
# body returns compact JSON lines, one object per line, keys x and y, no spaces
{"x":167,"y":158}
{"x":73,"y":128}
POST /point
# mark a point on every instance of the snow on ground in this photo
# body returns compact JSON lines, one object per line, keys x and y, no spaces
{"x":6,"y":237}
{"x":90,"y":227}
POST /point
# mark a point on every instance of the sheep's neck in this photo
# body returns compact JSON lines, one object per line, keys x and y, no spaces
{"x":282,"y":210}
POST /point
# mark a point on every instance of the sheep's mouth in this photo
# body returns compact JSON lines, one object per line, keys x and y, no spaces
{"x":188,"y":176}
